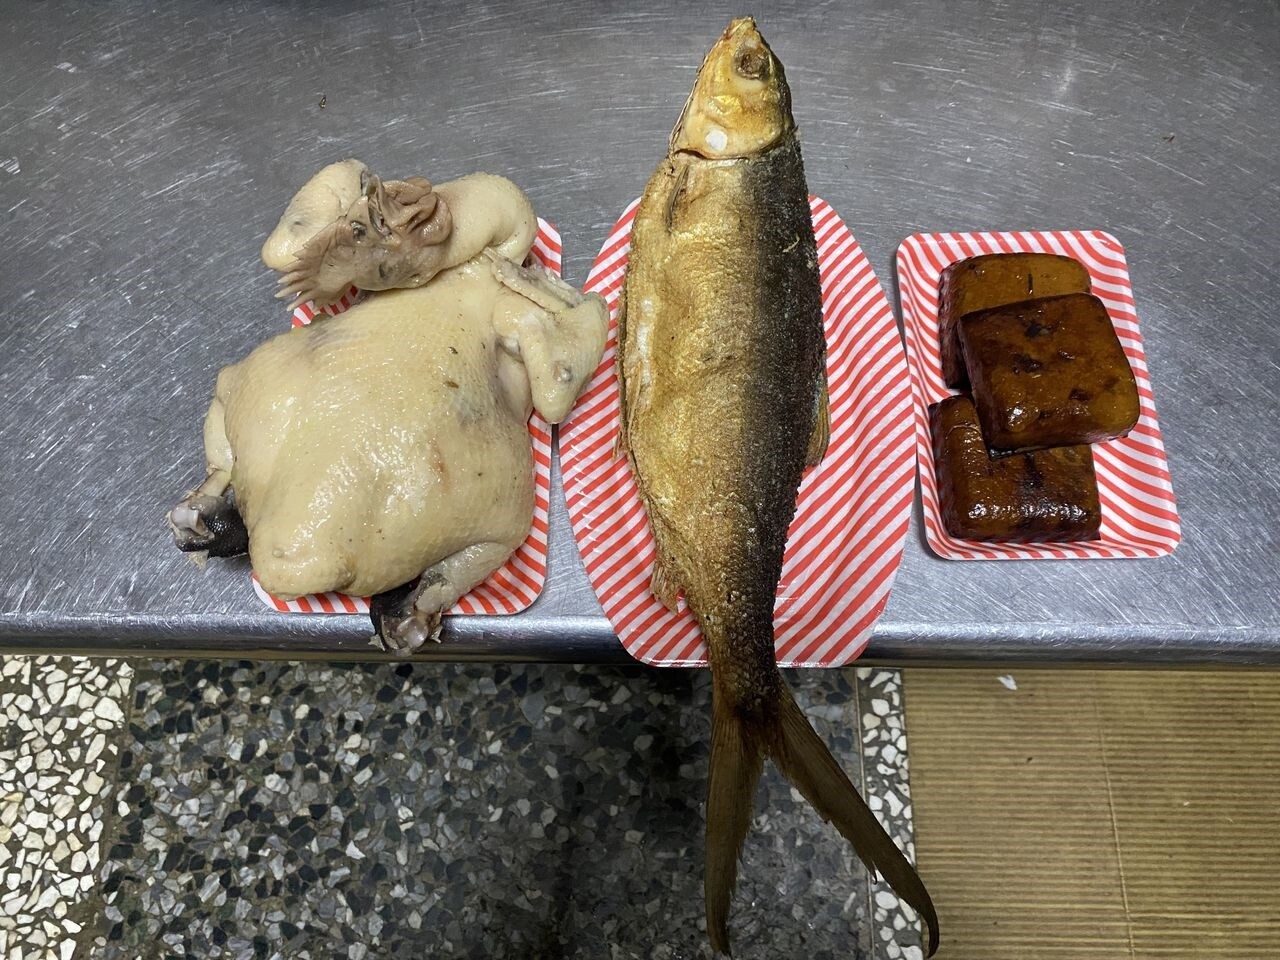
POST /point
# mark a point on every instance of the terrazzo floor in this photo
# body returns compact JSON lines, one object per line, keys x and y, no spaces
{"x":61,"y":726}
{"x":271,"y":810}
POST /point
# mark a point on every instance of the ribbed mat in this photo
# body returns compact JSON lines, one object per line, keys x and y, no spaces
{"x":1098,"y":814}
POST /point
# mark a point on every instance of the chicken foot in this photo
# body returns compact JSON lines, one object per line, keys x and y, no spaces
{"x":405,"y":618}
{"x":207,"y":522}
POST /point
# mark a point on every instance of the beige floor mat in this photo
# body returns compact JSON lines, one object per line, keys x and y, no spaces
{"x":1091,"y":814}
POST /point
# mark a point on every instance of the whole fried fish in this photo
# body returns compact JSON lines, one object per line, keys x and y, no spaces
{"x":721,"y":356}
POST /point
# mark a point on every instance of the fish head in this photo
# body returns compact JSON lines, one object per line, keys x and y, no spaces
{"x":740,"y":104}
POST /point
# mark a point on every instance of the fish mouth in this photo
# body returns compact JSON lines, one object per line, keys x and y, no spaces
{"x":741,"y":26}
{"x":739,"y":105}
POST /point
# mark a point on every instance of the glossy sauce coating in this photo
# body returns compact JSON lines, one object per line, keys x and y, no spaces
{"x":1046,"y":496}
{"x":1048,"y":373}
{"x":994,"y":280}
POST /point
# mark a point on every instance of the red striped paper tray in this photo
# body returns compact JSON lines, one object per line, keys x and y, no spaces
{"x":1139,"y":513}
{"x":853,"y":509}
{"x":517,"y":584}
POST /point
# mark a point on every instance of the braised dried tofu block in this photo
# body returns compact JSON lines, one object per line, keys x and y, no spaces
{"x":1048,"y":373}
{"x":993,"y":280}
{"x":1049,"y":495}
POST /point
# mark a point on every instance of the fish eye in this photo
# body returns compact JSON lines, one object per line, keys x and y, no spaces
{"x":751,"y":62}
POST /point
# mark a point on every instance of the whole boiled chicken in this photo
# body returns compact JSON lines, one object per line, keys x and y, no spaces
{"x":385,"y":451}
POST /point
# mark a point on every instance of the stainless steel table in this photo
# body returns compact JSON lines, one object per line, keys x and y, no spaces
{"x":145,"y":150}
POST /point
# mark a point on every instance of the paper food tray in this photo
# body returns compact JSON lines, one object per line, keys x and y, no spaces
{"x":853,"y":509}
{"x":1139,"y":513}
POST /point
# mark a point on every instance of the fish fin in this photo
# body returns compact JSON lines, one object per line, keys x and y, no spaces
{"x":677,"y":193}
{"x":805,"y":761}
{"x":821,"y":427}
{"x":737,"y":759}
{"x":634,"y":394}
{"x":620,"y":442}
{"x":663,"y":585}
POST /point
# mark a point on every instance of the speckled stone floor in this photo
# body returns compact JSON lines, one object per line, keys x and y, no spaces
{"x":61,"y":723}
{"x":264,"y":810}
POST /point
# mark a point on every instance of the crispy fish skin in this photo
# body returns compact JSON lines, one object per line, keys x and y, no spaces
{"x":722,"y":361}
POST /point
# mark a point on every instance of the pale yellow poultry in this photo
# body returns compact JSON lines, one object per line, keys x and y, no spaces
{"x":385,"y":450}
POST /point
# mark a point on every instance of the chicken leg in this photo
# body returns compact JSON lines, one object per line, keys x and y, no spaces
{"x":206,"y":522}
{"x":407,"y":617}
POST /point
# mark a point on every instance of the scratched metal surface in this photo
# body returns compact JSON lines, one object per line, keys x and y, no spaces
{"x":146,"y":149}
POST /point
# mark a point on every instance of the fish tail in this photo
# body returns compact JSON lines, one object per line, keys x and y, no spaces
{"x":805,"y":760}
{"x":740,"y":740}
{"x":737,"y":759}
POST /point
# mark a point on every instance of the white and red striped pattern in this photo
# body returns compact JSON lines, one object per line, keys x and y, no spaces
{"x":307,"y":312}
{"x":1139,"y":514}
{"x":517,"y":584}
{"x":853,"y":509}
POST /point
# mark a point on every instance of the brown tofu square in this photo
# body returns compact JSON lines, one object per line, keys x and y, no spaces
{"x":1046,"y":496}
{"x":1048,"y":373}
{"x":993,"y":280}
